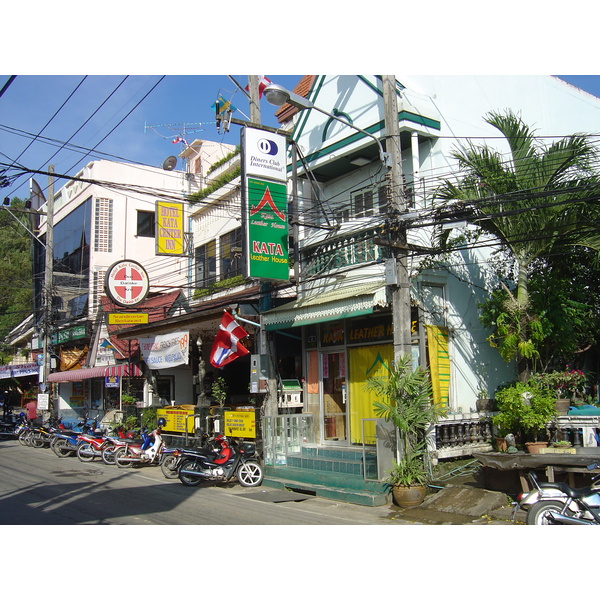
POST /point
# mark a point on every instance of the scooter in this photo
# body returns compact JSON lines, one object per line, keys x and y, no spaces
{"x":559,"y":504}
{"x":146,"y":453}
{"x":232,"y":460}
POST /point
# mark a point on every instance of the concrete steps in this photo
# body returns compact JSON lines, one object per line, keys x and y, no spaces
{"x":334,"y":473}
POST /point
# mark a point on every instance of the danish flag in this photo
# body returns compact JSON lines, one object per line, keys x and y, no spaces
{"x":227,"y":347}
{"x":263,"y":82}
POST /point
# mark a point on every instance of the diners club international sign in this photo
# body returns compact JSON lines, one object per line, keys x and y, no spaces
{"x":126,"y":283}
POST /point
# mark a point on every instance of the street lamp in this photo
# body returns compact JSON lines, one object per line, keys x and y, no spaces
{"x":278,"y":96}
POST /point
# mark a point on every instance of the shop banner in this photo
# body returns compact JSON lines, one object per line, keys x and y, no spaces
{"x":165,"y":351}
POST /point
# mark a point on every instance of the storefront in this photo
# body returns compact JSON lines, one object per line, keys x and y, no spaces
{"x":341,"y":354}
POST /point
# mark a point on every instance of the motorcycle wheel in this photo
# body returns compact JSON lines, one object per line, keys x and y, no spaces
{"x":62,"y":449}
{"x":189,"y":480}
{"x":24,"y":437}
{"x":85,"y":452}
{"x":108,"y":455}
{"x":169,"y":467}
{"x":120,"y":455}
{"x":36,"y":440}
{"x":538,"y":513}
{"x":250,"y":474}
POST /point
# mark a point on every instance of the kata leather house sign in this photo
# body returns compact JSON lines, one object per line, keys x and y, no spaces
{"x":126,"y":283}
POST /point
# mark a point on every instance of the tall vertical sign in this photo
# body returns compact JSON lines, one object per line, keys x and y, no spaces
{"x":169,"y":228}
{"x":264,"y":204}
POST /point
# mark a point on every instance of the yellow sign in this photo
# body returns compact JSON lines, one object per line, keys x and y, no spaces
{"x":240,"y":423}
{"x":177,"y":417}
{"x":127,"y":318}
{"x":169,"y":228}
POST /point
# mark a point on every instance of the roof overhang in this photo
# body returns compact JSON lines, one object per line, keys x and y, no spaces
{"x":342,"y":303}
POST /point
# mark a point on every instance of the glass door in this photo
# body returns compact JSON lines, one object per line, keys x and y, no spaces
{"x":334,"y":425}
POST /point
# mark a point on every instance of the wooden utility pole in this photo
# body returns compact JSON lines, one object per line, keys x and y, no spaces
{"x":48,"y":278}
{"x":254,"y":99}
{"x":401,"y":291}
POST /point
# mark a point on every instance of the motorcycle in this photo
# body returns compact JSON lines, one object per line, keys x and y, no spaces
{"x":65,"y":442}
{"x":559,"y":504}
{"x":171,"y":458}
{"x":147,"y":453}
{"x":11,"y":427}
{"x":233,"y":459}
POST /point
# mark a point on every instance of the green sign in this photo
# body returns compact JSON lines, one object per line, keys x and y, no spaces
{"x":267,"y":234}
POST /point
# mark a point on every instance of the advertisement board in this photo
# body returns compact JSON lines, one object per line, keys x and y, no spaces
{"x":267,"y":248}
{"x":170,"y":228}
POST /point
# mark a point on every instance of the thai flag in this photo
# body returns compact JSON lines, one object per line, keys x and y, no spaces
{"x":227,"y":347}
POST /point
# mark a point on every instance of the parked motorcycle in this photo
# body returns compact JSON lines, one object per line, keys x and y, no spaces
{"x":171,"y":458}
{"x":146,"y":453}
{"x":10,"y":428}
{"x":232,"y":460}
{"x":552,"y":503}
{"x":65,"y":442}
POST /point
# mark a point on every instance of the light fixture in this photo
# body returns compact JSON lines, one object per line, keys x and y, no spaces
{"x":6,"y":201}
{"x":278,"y":96}
{"x":360,"y":161}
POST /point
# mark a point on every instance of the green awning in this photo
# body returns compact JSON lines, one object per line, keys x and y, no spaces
{"x":343,"y":303}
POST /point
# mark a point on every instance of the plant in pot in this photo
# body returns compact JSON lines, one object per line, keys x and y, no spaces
{"x":406,"y":400}
{"x":525,"y":409}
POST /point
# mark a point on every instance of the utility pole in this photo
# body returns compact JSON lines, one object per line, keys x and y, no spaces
{"x":267,"y":348}
{"x":254,"y":99}
{"x":401,"y":291}
{"x":48,"y":277}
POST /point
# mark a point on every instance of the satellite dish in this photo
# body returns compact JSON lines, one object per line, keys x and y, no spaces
{"x":170,"y":163}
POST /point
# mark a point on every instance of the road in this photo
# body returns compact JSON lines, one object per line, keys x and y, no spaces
{"x":39,"y":488}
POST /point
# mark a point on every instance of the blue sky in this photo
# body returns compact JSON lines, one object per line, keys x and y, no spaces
{"x":134,"y":118}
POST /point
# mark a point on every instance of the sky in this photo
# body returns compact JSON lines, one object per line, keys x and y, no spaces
{"x":69,"y":120}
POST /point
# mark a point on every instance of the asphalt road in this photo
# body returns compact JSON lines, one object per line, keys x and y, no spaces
{"x":39,"y":488}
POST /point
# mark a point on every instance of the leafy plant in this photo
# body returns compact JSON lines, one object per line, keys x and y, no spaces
{"x":407,"y":402}
{"x":128,"y":400}
{"x":524,"y":409}
{"x":219,"y":391}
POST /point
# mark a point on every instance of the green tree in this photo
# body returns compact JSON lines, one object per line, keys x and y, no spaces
{"x":15,"y":268}
{"x":539,"y":200}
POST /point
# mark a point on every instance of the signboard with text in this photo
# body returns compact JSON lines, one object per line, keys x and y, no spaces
{"x":265,"y":204}
{"x":169,"y":228}
{"x":267,"y":230}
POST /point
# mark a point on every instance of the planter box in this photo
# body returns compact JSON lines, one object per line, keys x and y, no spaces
{"x":558,"y":451}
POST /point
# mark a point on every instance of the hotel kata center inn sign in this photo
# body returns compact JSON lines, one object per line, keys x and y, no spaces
{"x":265,"y":203}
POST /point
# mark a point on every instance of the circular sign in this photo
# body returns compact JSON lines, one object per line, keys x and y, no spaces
{"x":126,"y":283}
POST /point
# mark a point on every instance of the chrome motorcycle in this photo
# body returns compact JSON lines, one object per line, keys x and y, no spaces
{"x":552,"y":503}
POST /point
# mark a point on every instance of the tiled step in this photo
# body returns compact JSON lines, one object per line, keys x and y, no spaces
{"x":332,"y":473}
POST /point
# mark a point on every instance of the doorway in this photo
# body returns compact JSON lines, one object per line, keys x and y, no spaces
{"x":333,"y":413}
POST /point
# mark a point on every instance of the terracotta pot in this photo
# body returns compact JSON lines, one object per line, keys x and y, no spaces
{"x":409,"y":496}
{"x":501,"y":444}
{"x":534,"y":447}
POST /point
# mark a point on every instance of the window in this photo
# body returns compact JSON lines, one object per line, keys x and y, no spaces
{"x":206,"y":264}
{"x":230,"y":246}
{"x":366,"y":202}
{"x":146,"y":223}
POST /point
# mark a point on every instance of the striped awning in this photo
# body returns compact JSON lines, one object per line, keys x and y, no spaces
{"x":125,"y":370}
{"x":343,"y":303}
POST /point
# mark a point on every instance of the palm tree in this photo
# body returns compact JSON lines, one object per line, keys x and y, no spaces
{"x":536,"y":201}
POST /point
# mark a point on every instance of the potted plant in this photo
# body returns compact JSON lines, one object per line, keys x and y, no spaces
{"x":525,"y":409}
{"x":406,"y":400}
